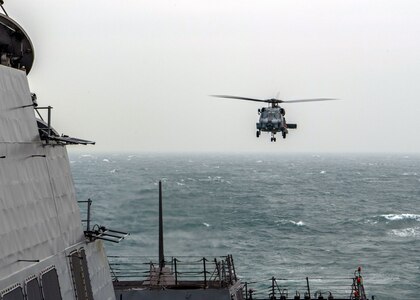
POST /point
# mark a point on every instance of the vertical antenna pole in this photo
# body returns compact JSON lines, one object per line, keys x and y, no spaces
{"x":307,"y":285}
{"x":161,"y":256}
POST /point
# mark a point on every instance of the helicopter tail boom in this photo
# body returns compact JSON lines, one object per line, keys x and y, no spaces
{"x":291,"y":126}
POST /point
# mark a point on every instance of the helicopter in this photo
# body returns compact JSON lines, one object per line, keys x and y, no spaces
{"x":272,"y":117}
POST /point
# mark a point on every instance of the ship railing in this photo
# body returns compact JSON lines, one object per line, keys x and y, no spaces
{"x":309,"y":288}
{"x":199,"y":272}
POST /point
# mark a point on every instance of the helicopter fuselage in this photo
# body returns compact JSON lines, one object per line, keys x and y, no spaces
{"x":272,"y":120}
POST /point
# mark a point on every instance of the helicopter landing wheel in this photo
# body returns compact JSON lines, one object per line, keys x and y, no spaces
{"x":284,"y":135}
{"x":274,"y":139}
{"x":258,"y":134}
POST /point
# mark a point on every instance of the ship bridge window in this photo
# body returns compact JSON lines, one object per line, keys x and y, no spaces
{"x":80,"y":274}
{"x":50,"y":285}
{"x":33,"y":291}
{"x":15,"y":294}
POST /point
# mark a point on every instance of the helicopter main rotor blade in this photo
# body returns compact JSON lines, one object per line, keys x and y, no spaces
{"x":239,"y":98}
{"x":309,"y":100}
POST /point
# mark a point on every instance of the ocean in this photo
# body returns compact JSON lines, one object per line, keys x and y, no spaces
{"x":287,"y":216}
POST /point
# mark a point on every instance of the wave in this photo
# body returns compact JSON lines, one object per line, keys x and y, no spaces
{"x":406,"y":232}
{"x":299,"y":223}
{"x":284,"y":222}
{"x":409,"y":174}
{"x":399,"y":217}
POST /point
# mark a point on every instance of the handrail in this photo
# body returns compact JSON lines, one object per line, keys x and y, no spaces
{"x":323,"y":287}
{"x":194,"y":270}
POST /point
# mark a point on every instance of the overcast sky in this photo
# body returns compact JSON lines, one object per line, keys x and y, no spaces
{"x":135,"y":75}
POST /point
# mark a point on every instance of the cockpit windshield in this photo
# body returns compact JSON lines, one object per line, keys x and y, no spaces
{"x":270,"y":114}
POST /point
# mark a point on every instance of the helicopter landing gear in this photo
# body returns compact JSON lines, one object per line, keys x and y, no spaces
{"x":273,"y":139}
{"x":284,"y":132}
{"x":258,"y":133}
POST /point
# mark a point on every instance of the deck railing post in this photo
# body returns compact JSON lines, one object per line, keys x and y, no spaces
{"x":246,"y":290}
{"x":272,"y":288}
{"x":229,"y":265}
{"x":205,"y":272}
{"x":218,"y":272}
{"x":176,"y":272}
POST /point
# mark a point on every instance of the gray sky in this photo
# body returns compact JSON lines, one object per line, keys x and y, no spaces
{"x":135,"y":75}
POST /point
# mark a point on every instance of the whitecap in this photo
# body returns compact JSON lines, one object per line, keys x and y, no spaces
{"x":398,"y":217}
{"x":206,"y":224}
{"x":409,"y":174}
{"x":406,"y":232}
{"x":113,"y":171}
{"x":322,"y":172}
{"x":259,"y":161}
{"x":105,"y":160}
{"x":299,"y":223}
{"x":86,"y":155}
{"x":180,"y":183}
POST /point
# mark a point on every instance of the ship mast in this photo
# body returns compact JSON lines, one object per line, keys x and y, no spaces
{"x":161,"y":255}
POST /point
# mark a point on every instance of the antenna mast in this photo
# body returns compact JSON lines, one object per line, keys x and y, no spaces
{"x":161,"y":255}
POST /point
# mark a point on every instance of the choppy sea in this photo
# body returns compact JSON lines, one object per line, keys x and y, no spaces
{"x":287,"y":216}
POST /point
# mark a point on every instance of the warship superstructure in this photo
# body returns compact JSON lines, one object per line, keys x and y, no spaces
{"x":43,"y":249}
{"x":46,"y":251}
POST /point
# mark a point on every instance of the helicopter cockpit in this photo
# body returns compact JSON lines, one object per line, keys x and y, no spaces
{"x":272,"y":115}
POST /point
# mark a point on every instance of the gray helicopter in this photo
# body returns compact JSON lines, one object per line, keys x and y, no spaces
{"x":272,"y":117}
